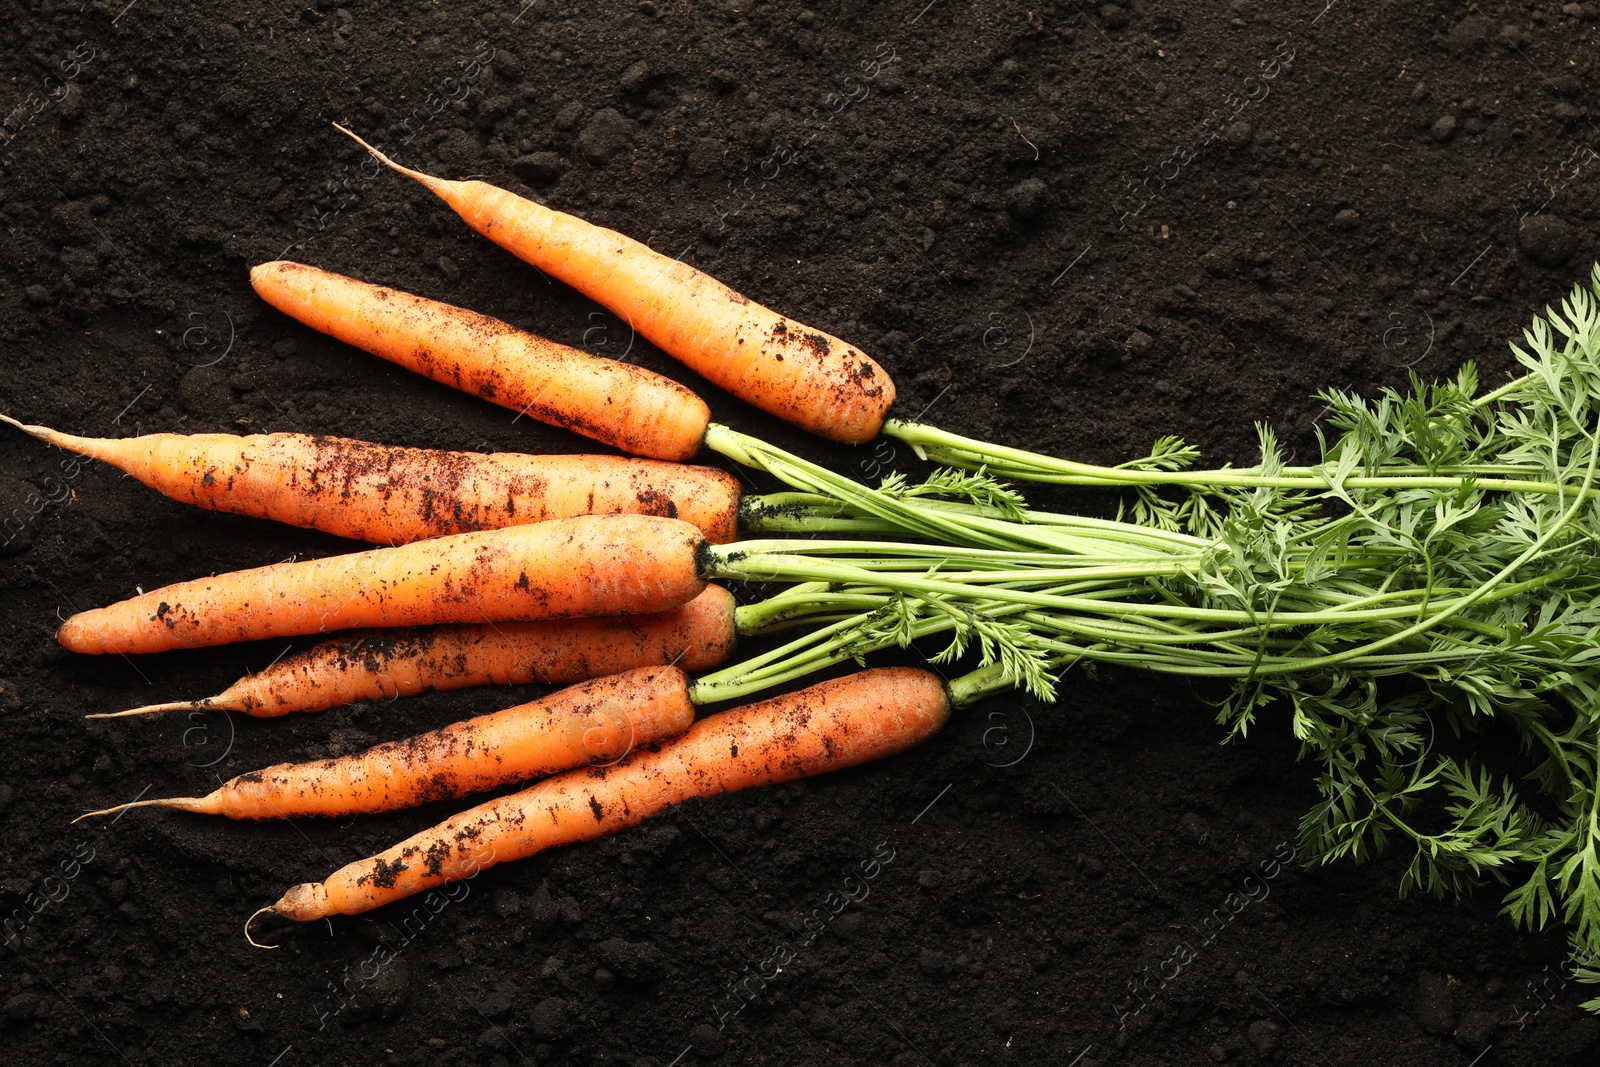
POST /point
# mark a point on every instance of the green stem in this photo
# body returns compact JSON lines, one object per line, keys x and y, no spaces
{"x":768,"y":561}
{"x":799,"y":604}
{"x":941,"y":446}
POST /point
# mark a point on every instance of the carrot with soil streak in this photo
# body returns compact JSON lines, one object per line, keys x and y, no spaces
{"x":390,"y":495}
{"x":803,"y":376}
{"x":565,"y":568}
{"x":389,"y":664}
{"x":618,"y":403}
{"x":592,"y":722}
{"x":825,"y":727}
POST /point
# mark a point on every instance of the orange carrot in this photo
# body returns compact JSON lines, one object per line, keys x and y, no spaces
{"x":389,"y":495}
{"x":629,"y":407}
{"x":826,"y":727}
{"x":591,"y":722}
{"x":565,"y":568}
{"x":801,"y":375}
{"x":388,"y":664}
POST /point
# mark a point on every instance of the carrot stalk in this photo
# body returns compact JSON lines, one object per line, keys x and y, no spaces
{"x":592,"y":722}
{"x":626,"y":406}
{"x":386,"y":665}
{"x":565,"y":568}
{"x":390,"y":495}
{"x":826,"y":727}
{"x":801,"y":375}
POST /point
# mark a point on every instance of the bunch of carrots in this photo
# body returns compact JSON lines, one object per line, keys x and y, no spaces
{"x":1446,"y":535}
{"x":588,"y":571}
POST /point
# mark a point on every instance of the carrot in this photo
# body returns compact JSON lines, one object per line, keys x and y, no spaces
{"x":629,"y":407}
{"x":386,"y":665}
{"x":801,"y":375}
{"x":565,"y":568}
{"x":390,"y":495}
{"x":826,"y":727}
{"x":595,"y":721}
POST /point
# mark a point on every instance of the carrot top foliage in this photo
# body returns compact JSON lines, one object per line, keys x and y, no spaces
{"x":1448,"y":534}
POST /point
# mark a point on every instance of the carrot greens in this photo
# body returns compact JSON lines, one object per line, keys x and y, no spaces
{"x":1447,"y":536}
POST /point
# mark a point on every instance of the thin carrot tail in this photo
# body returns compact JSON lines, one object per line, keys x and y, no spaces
{"x":181,"y":803}
{"x":71,"y":442}
{"x":268,"y":910}
{"x":426,"y":179}
{"x":155,"y":709}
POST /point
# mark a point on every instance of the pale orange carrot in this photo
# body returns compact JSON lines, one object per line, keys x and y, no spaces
{"x":629,"y":407}
{"x":387,"y":664}
{"x":801,"y":375}
{"x":565,"y":568}
{"x":826,"y":727}
{"x":390,"y":495}
{"x":597,"y":721}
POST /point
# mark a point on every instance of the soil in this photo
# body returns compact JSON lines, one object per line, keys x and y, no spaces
{"x":1068,"y":227}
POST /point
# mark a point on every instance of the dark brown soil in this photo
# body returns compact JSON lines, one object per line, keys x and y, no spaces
{"x":951,"y":187}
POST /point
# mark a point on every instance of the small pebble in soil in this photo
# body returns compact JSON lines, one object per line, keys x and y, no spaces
{"x":539,"y":168}
{"x":1547,"y":240}
{"x":635,"y":77}
{"x":1470,"y":32}
{"x":1026,"y":199}
{"x":550,"y":1020}
{"x":1237,"y":134}
{"x":637,"y":961}
{"x":569,"y":117}
{"x":1347,"y":219}
{"x":1564,"y":85}
{"x":1266,"y":1036}
{"x":1443,"y":129}
{"x":19,"y":1009}
{"x":605,"y":134}
{"x":1113,"y":16}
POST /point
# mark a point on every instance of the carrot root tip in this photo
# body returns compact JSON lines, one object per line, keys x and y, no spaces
{"x":154,"y":709}
{"x":247,"y":922}
{"x":425,"y":179}
{"x":182,"y":803}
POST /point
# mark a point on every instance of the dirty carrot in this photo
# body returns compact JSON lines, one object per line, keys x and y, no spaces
{"x":565,"y":568}
{"x":389,"y":495}
{"x":622,"y":405}
{"x":801,"y":375}
{"x":826,"y":727}
{"x":388,"y":664}
{"x":591,"y":722}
